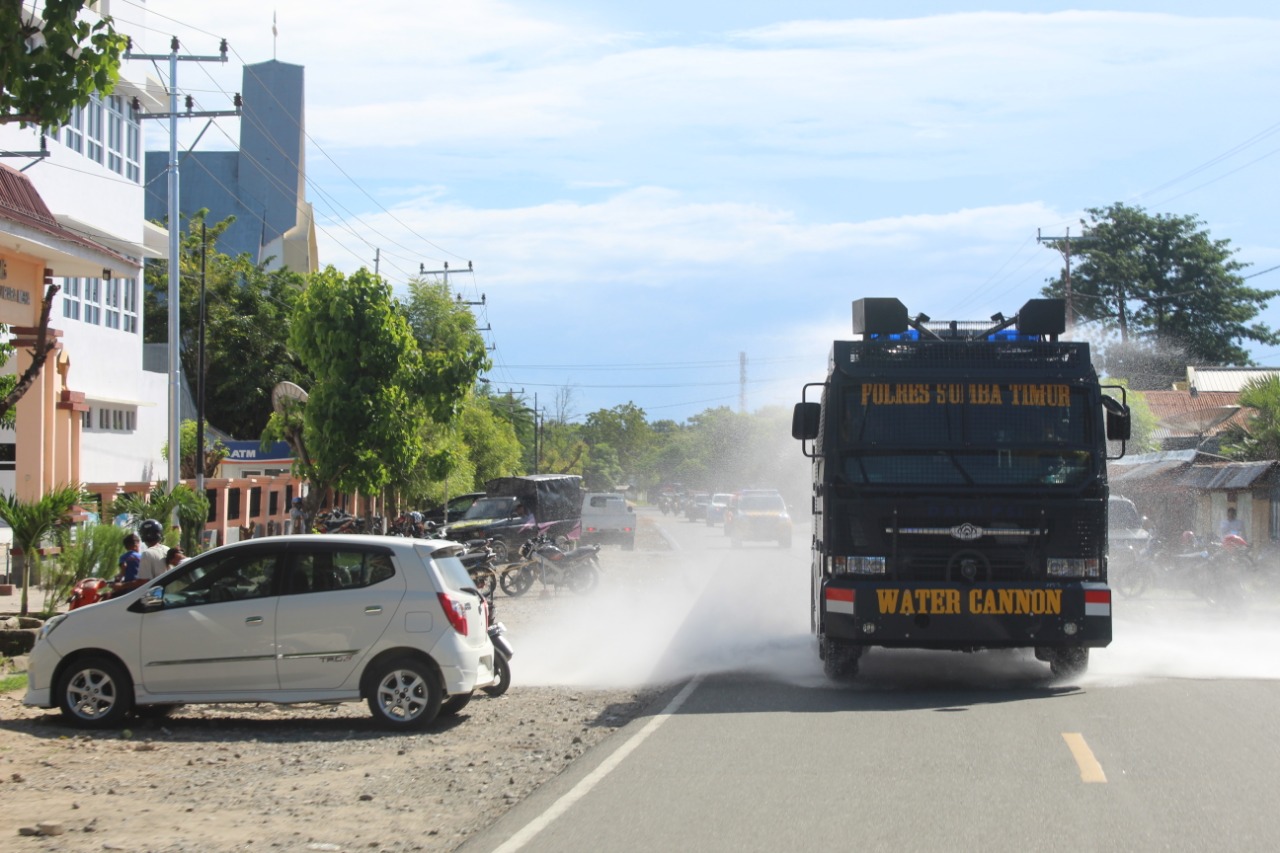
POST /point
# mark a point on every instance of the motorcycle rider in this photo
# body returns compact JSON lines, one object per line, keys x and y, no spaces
{"x":152,"y":564}
{"x":297,"y":518}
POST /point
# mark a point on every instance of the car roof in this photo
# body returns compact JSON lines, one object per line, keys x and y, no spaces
{"x":362,"y":539}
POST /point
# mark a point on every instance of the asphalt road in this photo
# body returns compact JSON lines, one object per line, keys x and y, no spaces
{"x":1170,"y":742}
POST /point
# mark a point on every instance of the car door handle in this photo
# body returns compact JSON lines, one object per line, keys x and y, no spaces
{"x":373,"y":609}
{"x":253,"y":620}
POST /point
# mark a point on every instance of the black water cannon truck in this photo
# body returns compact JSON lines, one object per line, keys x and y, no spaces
{"x":960,"y":487}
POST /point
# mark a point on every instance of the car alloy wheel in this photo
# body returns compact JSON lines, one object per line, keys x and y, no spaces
{"x":406,"y":694}
{"x":95,"y":692}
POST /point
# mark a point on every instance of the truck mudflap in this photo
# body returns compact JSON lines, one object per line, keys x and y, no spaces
{"x":966,"y":616}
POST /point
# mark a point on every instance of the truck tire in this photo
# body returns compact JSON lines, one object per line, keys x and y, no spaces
{"x":1069,"y":661}
{"x":839,"y":660}
{"x":1130,"y":579}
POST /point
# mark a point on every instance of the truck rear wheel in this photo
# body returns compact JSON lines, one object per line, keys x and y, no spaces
{"x":1069,"y":661}
{"x":839,"y":660}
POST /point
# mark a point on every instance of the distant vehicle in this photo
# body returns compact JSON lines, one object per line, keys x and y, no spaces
{"x":552,"y":505}
{"x":608,"y":518}
{"x":696,"y":508}
{"x":716,"y":509}
{"x":759,"y":515}
{"x":283,"y":619}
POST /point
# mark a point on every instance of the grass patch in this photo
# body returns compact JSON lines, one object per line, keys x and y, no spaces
{"x":9,"y":683}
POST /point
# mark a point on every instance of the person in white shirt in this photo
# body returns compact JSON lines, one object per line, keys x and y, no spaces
{"x":153,"y":563}
{"x":1230,"y":525}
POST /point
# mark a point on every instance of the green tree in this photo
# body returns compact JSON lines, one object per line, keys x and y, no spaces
{"x":52,"y":60}
{"x":453,"y":351}
{"x":33,"y":522}
{"x":92,"y":552}
{"x":1162,"y":278}
{"x":1259,"y":438}
{"x":562,"y":449}
{"x":624,"y":430}
{"x":248,"y":313}
{"x":214,"y":452}
{"x":491,"y":442}
{"x":366,"y":411}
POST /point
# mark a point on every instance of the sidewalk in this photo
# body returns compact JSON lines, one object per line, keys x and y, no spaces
{"x":12,"y":604}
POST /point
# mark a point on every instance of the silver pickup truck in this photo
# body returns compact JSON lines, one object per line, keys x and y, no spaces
{"x":607,"y":517}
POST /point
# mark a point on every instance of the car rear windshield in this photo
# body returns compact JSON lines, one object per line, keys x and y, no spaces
{"x":446,"y":559}
{"x":759,"y":503}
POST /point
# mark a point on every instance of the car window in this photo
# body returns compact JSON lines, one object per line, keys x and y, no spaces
{"x":1124,"y":514}
{"x":325,"y":569}
{"x":762,"y":503}
{"x":229,"y":577}
{"x":450,"y":566}
{"x":490,"y":508}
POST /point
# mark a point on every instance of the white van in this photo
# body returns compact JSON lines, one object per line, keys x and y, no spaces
{"x":607,"y":517}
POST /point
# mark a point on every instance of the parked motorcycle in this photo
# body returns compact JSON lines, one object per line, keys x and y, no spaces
{"x":337,"y":521}
{"x":502,"y":653}
{"x":92,"y":590}
{"x":1214,"y":571}
{"x":409,"y":526}
{"x":543,"y":560}
{"x":481,"y":562}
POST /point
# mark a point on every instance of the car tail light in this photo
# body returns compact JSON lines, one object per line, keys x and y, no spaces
{"x":454,"y":611}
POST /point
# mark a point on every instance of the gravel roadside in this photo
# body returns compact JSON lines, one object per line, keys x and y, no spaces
{"x":214,"y":778}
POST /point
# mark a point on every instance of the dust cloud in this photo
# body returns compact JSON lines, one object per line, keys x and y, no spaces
{"x":671,"y":616}
{"x":675,"y":616}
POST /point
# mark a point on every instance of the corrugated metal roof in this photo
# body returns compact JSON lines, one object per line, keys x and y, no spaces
{"x":1233,"y":475}
{"x":1225,"y":378}
{"x":1144,"y":466}
{"x":1181,"y":413}
{"x":21,"y":204}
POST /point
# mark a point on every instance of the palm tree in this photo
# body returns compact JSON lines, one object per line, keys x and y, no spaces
{"x":191,"y":508}
{"x":1259,"y":438}
{"x":32,"y":522}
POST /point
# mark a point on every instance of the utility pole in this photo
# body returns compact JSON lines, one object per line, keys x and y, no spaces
{"x":1063,"y":245}
{"x":175,"y":227}
{"x":422,"y":270}
{"x":742,"y":383}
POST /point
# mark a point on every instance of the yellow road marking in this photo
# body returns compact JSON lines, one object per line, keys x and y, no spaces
{"x":1090,"y":769}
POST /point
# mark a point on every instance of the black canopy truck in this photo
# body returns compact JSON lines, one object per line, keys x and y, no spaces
{"x":503,"y":513}
{"x":960,"y":487}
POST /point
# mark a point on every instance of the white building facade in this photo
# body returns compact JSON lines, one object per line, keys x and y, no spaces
{"x":91,"y":180}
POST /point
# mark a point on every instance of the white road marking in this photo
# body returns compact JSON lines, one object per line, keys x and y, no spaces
{"x":580,"y":790}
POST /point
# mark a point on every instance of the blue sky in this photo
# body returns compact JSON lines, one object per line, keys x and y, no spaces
{"x":648,"y":190}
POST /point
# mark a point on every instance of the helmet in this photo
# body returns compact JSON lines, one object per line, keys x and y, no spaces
{"x":151,"y":530}
{"x":297,"y":501}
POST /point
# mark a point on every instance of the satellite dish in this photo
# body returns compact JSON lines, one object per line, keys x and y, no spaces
{"x":286,"y":391}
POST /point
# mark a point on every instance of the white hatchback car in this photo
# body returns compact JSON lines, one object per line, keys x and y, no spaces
{"x":285,"y":619}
